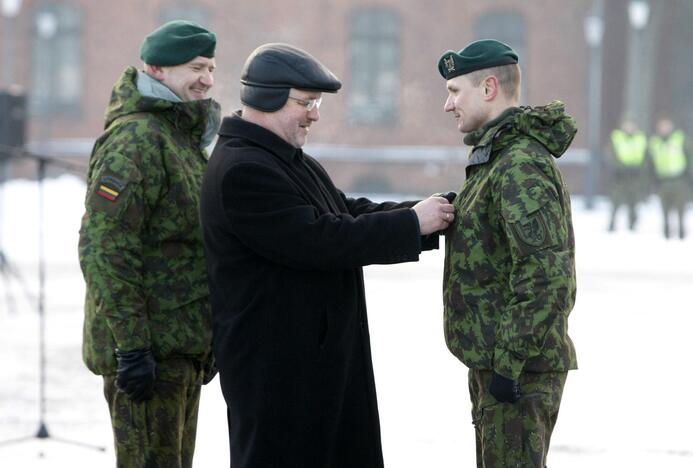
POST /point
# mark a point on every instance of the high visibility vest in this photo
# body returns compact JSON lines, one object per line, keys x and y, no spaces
{"x":630,"y":150}
{"x":668,"y":154}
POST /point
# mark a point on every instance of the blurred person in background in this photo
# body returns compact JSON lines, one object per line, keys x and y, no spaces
{"x":285,"y":249}
{"x":148,"y":321}
{"x":628,"y":174}
{"x":509,"y":277}
{"x":670,"y":153}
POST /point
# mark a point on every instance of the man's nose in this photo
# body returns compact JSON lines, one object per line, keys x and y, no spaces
{"x":207,"y":78}
{"x":449,"y":105}
{"x":314,"y":114}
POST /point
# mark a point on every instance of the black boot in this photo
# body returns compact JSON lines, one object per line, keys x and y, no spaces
{"x":612,"y":222}
{"x":632,"y":220}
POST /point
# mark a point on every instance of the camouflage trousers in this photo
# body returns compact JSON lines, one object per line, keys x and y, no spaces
{"x":159,"y":433}
{"x":515,"y":435}
{"x":673,"y":195}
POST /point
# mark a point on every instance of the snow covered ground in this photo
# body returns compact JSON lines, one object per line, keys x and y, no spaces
{"x":628,"y":404}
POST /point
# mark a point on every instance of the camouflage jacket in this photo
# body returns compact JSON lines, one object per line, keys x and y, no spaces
{"x":509,"y":277}
{"x":140,"y":245}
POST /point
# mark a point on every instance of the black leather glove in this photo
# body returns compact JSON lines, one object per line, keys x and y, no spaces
{"x":449,"y":196}
{"x":210,"y":371}
{"x":504,"y":390}
{"x":136,"y":374}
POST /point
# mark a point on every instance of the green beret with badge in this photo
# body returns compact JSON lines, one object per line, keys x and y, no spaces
{"x":478,"y":55}
{"x":177,"y":42}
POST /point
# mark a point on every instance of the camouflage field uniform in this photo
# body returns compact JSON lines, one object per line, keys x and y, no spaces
{"x":628,"y":174}
{"x":509,"y":280}
{"x":671,"y":162}
{"x":142,"y":257}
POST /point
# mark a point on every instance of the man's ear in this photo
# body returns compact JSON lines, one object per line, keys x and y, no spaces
{"x":490,"y":87}
{"x":156,"y":72}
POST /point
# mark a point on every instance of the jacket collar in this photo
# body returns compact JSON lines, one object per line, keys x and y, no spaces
{"x":482,"y":139}
{"x":152,"y":88}
{"x":196,"y":117}
{"x":236,"y":127}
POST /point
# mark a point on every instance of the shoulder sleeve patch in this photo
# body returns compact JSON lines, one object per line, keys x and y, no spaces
{"x":532,"y":229}
{"x":112,"y":186}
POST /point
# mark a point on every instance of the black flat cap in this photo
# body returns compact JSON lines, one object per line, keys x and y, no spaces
{"x":273,"y":69}
{"x":478,"y":55}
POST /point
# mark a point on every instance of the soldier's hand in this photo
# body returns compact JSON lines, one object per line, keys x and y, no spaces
{"x":504,"y":390}
{"x":434,"y":214}
{"x":136,"y":374}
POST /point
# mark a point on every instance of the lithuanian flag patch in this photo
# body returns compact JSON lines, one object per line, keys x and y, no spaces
{"x":109,"y":187}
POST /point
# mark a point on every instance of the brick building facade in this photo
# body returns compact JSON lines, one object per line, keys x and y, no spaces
{"x":388,"y":117}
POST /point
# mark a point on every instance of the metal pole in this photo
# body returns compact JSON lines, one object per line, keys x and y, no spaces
{"x":638,"y":15}
{"x":42,"y":431}
{"x":594,"y":104}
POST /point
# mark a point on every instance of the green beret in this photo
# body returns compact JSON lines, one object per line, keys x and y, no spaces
{"x":478,"y":55}
{"x":177,"y":42}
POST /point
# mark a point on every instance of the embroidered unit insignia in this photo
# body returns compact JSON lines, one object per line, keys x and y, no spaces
{"x":449,"y":63}
{"x":532,"y":230}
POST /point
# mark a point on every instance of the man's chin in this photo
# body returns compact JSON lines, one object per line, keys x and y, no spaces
{"x":197,"y":96}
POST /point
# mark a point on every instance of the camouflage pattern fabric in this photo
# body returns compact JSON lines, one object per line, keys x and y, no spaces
{"x":515,"y":435}
{"x":140,"y":245}
{"x":509,"y":277}
{"x":628,"y":173}
{"x":674,"y":193}
{"x":627,"y":187}
{"x":159,"y":433}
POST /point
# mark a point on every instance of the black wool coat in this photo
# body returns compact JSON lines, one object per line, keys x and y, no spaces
{"x":284,"y":254}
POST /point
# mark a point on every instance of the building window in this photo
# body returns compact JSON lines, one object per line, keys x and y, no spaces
{"x":57,"y":75}
{"x":185,"y":11}
{"x":508,"y":27}
{"x":374,"y":58}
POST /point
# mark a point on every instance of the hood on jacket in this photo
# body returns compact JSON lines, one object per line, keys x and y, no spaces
{"x":189,"y":116}
{"x":548,"y":124}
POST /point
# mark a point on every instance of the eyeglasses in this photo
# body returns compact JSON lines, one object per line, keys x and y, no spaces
{"x":309,"y":104}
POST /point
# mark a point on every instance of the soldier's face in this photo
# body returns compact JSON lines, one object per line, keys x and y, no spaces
{"x":467,"y":104}
{"x":190,"y":81}
{"x":293,"y":121}
{"x":665,"y":126}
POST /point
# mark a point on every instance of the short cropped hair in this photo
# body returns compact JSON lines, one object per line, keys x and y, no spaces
{"x":509,"y":77}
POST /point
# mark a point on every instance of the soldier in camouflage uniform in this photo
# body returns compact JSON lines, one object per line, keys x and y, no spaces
{"x":509,"y":277}
{"x":670,"y":154}
{"x":628,"y":171}
{"x":147,"y":327}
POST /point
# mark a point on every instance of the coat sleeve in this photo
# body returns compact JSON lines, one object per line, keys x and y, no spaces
{"x":269,"y":216}
{"x":358,"y":206}
{"x":110,"y":249}
{"x":542,"y":275}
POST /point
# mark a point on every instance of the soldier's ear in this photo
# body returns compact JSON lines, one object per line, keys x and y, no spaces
{"x":155,"y":71}
{"x":490,"y":87}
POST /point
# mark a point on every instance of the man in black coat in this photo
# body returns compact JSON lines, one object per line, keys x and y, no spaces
{"x":284,"y":254}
